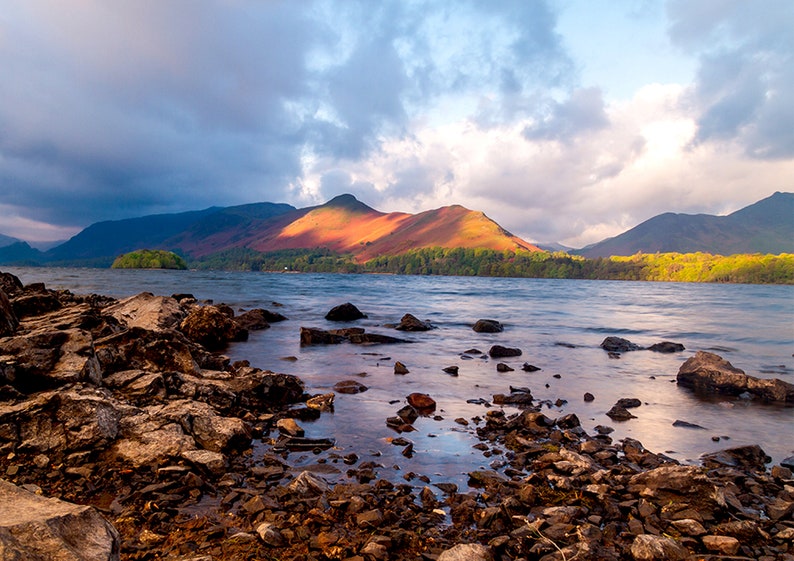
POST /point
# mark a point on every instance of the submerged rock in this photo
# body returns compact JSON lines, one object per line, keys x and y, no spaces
{"x":619,"y":345}
{"x":667,"y":347}
{"x":411,"y":323}
{"x":498,"y":351}
{"x":344,"y":312}
{"x":488,"y":326}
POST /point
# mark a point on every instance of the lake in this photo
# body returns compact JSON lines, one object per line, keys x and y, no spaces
{"x":558,"y":324}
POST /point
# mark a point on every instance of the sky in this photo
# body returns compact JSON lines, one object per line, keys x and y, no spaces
{"x":563,"y":120}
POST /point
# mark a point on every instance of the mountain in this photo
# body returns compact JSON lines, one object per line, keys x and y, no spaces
{"x":19,"y":253}
{"x":763,"y":227}
{"x":7,"y":240}
{"x":343,"y":225}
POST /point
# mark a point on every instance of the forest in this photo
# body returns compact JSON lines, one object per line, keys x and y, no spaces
{"x":676,"y":267}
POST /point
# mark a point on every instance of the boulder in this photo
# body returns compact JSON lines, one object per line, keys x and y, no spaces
{"x":211,"y":328}
{"x":48,"y":358}
{"x":252,"y":320}
{"x":619,"y":345}
{"x":748,"y":458}
{"x":147,"y":311}
{"x":8,"y":319}
{"x":34,"y":304}
{"x":374,"y":339}
{"x":488,"y":326}
{"x":34,"y":528}
{"x":498,"y":351}
{"x":667,"y":347}
{"x":620,"y":413}
{"x":709,"y":373}
{"x":411,"y":323}
{"x":10,"y":284}
{"x":344,"y":312}
{"x":153,"y":351}
{"x":675,"y":483}
{"x":421,"y":402}
{"x":314,"y":336}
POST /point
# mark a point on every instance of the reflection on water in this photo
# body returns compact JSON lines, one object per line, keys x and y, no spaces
{"x":752,"y":326}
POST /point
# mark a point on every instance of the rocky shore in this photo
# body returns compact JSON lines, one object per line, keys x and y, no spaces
{"x":126,"y":434}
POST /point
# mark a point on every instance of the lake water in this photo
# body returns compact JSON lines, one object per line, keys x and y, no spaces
{"x":558,"y":324}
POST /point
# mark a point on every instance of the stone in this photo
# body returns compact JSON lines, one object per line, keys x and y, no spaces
{"x":748,"y":458}
{"x":308,"y":485}
{"x":314,"y":336}
{"x":628,"y":402}
{"x":350,"y":387}
{"x":10,"y":284}
{"x":153,"y":351}
{"x":8,"y":318}
{"x":253,"y":320}
{"x":421,"y":402}
{"x":687,"y":425}
{"x":466,"y":552}
{"x":648,"y":547}
{"x":323,"y":402}
{"x":344,"y":312}
{"x":400,"y":368}
{"x":289,"y":427}
{"x":211,"y":328}
{"x":619,"y":345}
{"x":498,"y":351}
{"x":410,"y":323}
{"x":35,"y":304}
{"x":709,"y":373}
{"x":270,"y":534}
{"x":619,"y":413}
{"x":667,"y":347}
{"x":689,"y":527}
{"x":452,"y":370}
{"x":723,"y":544}
{"x":147,"y":311}
{"x":588,"y":396}
{"x":502,"y":367}
{"x":34,"y":528}
{"x":212,"y":462}
{"x":527,"y":367}
{"x":488,"y":326}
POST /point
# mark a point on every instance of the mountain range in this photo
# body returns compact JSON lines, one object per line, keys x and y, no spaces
{"x":345,"y":225}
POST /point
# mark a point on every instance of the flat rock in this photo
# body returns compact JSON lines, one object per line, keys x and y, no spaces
{"x":34,"y":528}
{"x":147,"y":311}
{"x":212,"y":462}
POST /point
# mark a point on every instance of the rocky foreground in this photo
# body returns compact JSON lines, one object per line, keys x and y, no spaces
{"x":124,"y":434}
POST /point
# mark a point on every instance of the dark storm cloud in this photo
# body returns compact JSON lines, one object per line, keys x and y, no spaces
{"x":745,"y":81}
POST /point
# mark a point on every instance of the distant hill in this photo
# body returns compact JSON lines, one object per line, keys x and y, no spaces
{"x":763,"y":227}
{"x":19,"y":253}
{"x":343,"y":225}
{"x":7,"y":240}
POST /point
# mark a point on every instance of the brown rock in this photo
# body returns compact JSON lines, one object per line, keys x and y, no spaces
{"x":488,"y":326}
{"x":350,"y":387}
{"x":210,"y":327}
{"x":421,"y":402}
{"x":498,"y":351}
{"x":722,"y":544}
{"x":252,"y":320}
{"x":8,"y":319}
{"x":411,"y":323}
{"x":314,"y":336}
{"x":400,"y":368}
{"x":344,"y":312}
{"x":647,"y":547}
{"x":147,"y":311}
{"x":35,"y":304}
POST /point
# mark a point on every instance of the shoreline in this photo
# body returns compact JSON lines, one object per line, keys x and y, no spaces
{"x":164,"y":451}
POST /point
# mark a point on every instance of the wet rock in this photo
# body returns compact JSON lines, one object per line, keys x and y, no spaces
{"x":452,"y":370}
{"x":619,"y":413}
{"x":411,"y":323}
{"x":722,"y":544}
{"x":749,"y":458}
{"x":628,"y":402}
{"x":421,"y":402}
{"x":8,"y":319}
{"x":667,"y":347}
{"x":502,"y":367}
{"x":147,"y":311}
{"x":400,"y":368}
{"x":648,"y":547}
{"x":408,"y":414}
{"x":687,"y":425}
{"x":323,"y":402}
{"x":520,"y":399}
{"x":349,"y":387}
{"x":374,"y":339}
{"x":211,"y":328}
{"x":253,"y":320}
{"x":466,"y":552}
{"x":270,"y":534}
{"x":498,"y":351}
{"x":619,"y":345}
{"x":710,"y":373}
{"x":308,"y":485}
{"x":344,"y":312}
{"x":588,"y":396}
{"x":33,"y":528}
{"x":526,"y":367}
{"x":289,"y":427}
{"x":488,"y":326}
{"x":314,"y":336}
{"x":211,"y":462}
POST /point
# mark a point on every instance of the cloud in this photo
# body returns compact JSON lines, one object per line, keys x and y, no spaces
{"x":745,"y":81}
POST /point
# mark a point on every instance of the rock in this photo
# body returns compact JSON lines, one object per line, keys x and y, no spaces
{"x":253,"y":320}
{"x":33,"y":528}
{"x":210,"y":327}
{"x":488,"y":326}
{"x":153,"y":351}
{"x":619,"y":413}
{"x":648,"y":547}
{"x":400,"y":368}
{"x":46,"y":358}
{"x":498,"y":351}
{"x":411,"y":323}
{"x":502,"y":367}
{"x":466,"y":552}
{"x":289,"y":427}
{"x":374,"y":339}
{"x":788,"y":462}
{"x":722,"y":544}
{"x":323,"y":402}
{"x":628,"y":402}
{"x":588,"y":396}
{"x":270,"y":534}
{"x":421,"y":402}
{"x":8,"y":319}
{"x":35,"y":304}
{"x":207,"y":460}
{"x":350,"y":387}
{"x":710,"y":373}
{"x":344,"y":312}
{"x":676,"y":483}
{"x":10,"y":284}
{"x":314,"y":336}
{"x":667,"y":347}
{"x":147,"y":311}
{"x":687,"y":425}
{"x":308,"y":485}
{"x":526,"y":367}
{"x":689,"y":527}
{"x":748,"y":458}
{"x":619,"y":345}
{"x":452,"y":370}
